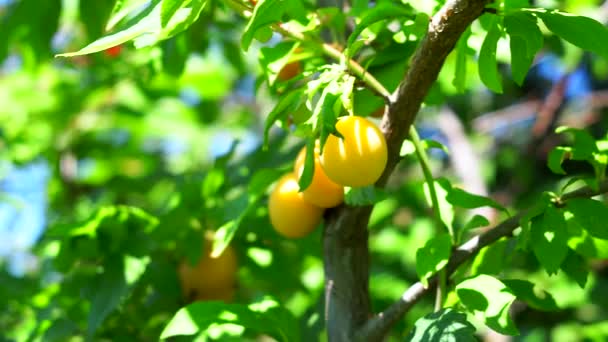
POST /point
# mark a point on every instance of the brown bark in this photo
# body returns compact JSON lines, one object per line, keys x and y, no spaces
{"x":346,"y":260}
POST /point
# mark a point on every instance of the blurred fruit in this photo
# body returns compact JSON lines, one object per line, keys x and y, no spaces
{"x":226,"y":295}
{"x":113,"y":51}
{"x":360,"y":158}
{"x":290,"y":70}
{"x":212,"y":278}
{"x":291,"y":215}
{"x":321,"y":192}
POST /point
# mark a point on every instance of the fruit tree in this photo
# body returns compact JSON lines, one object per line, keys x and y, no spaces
{"x":303,"y":170}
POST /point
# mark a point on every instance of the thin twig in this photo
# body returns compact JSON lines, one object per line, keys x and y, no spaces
{"x":546,"y":116}
{"x":430,"y":181}
{"x":355,"y":68}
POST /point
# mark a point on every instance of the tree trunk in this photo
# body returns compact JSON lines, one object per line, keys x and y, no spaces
{"x":346,"y":254}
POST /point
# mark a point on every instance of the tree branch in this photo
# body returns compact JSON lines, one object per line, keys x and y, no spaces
{"x":346,"y":254}
{"x":445,"y":28}
{"x":377,"y":327}
{"x":355,"y":68}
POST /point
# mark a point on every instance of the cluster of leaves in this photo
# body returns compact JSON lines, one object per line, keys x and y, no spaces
{"x":563,"y":233}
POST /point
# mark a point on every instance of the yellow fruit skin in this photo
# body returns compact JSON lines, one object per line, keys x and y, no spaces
{"x":212,"y":278}
{"x":360,"y":158}
{"x":321,"y":192}
{"x":290,"y":215}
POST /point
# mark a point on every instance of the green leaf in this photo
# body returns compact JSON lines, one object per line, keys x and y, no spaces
{"x":257,"y":188}
{"x":123,"y":8}
{"x":511,"y":4}
{"x":169,"y":9}
{"x":213,"y":182}
{"x":520,"y":61}
{"x":179,"y":16}
{"x":433,"y":256}
{"x":584,"y":145}
{"x":262,"y":179}
{"x":175,"y":54}
{"x":275,"y":58}
{"x":146,"y":28}
{"x":145,"y":25}
{"x":326,"y":111}
{"x":549,"y":238}
{"x":526,"y":40}
{"x":94,"y":15}
{"x":429,"y":144}
{"x":444,"y":325}
{"x":488,"y":67}
{"x":258,"y":185}
{"x":287,"y":103}
{"x":591,"y":215}
{"x":87,"y":228}
{"x":556,"y":158}
{"x":529,"y":293}
{"x":476,"y":221}
{"x":103,"y":216}
{"x":363,"y":196}
{"x":29,"y":25}
{"x":265,"y":13}
{"x":265,"y":316}
{"x":491,"y":259}
{"x":490,"y":299}
{"x":442,"y":188}
{"x":537,"y":209}
{"x":112,"y":287}
{"x":583,"y":32}
{"x":576,"y":268}
{"x":223,"y":235}
{"x":407,"y":148}
{"x":309,"y":166}
{"x":382,"y":11}
{"x":358,"y":7}
{"x":263,"y":34}
{"x":583,"y":243}
{"x":579,"y":239}
{"x":460,"y":70}
{"x":461,"y":198}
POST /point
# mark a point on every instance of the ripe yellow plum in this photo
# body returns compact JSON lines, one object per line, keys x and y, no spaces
{"x":322,"y":191}
{"x":360,"y":158}
{"x":212,"y":278}
{"x":291,"y":215}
